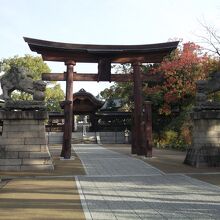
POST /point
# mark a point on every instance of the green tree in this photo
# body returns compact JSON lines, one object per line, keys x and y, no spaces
{"x":54,"y":95}
{"x":35,"y":66}
{"x":124,"y":90}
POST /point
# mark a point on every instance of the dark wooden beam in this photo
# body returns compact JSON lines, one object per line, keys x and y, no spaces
{"x":138,"y":110}
{"x":133,"y":133}
{"x":91,"y":58}
{"x":57,"y":51}
{"x":94,"y":77}
{"x":54,"y":76}
{"x":85,"y":77}
{"x":68,"y":112}
{"x":104,"y":69}
{"x":148,"y":128}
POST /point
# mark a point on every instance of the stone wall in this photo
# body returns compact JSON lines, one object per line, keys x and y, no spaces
{"x":55,"y":138}
{"x":205,"y":150}
{"x":103,"y":137}
{"x":113,"y":138}
{"x":23,"y":144}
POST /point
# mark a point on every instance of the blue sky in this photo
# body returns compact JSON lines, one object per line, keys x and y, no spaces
{"x":101,"y":22}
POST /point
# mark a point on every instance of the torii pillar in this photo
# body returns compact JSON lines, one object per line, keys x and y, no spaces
{"x":137,"y":145}
{"x":68,"y":111}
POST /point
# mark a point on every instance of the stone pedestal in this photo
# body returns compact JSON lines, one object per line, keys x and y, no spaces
{"x":205,"y":150}
{"x":23,"y":143}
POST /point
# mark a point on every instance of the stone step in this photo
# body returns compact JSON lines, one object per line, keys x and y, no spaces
{"x":37,"y":167}
{"x":10,"y":162}
{"x":32,"y":167}
{"x":33,"y":161}
{"x":23,"y":128}
{"x":39,"y":155}
{"x":25,"y":161}
{"x":23,"y":134}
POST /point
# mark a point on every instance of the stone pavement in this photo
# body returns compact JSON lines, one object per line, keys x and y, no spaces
{"x":99,"y":161}
{"x":121,"y":187}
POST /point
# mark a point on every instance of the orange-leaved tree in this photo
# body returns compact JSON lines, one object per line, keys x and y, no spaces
{"x":180,"y":71}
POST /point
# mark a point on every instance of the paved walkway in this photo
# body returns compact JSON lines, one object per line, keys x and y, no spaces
{"x":99,"y":161}
{"x":120,"y":187}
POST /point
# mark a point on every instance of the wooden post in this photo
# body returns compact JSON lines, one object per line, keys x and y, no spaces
{"x":68,"y":111}
{"x":148,"y":128}
{"x":94,"y":122}
{"x":133,"y":137}
{"x":138,"y":111}
{"x":73,"y":124}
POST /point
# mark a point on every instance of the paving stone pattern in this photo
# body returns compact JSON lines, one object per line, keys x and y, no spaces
{"x":100,"y":161}
{"x":121,"y":187}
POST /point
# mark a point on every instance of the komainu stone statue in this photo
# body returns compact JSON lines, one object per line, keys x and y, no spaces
{"x":206,"y":87}
{"x":205,"y":149}
{"x":23,"y":142}
{"x":18,"y":78}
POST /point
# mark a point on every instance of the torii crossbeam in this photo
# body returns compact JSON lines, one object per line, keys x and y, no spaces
{"x":104,"y":55}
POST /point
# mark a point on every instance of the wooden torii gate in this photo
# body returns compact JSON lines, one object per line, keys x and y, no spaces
{"x":104,"y":55}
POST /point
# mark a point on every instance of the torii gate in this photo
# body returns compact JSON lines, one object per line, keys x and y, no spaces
{"x":104,"y":55}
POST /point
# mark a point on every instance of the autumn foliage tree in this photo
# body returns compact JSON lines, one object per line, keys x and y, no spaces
{"x":180,"y":72}
{"x":176,"y":94}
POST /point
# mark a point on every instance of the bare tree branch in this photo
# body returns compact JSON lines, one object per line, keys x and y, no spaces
{"x":212,"y":40}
